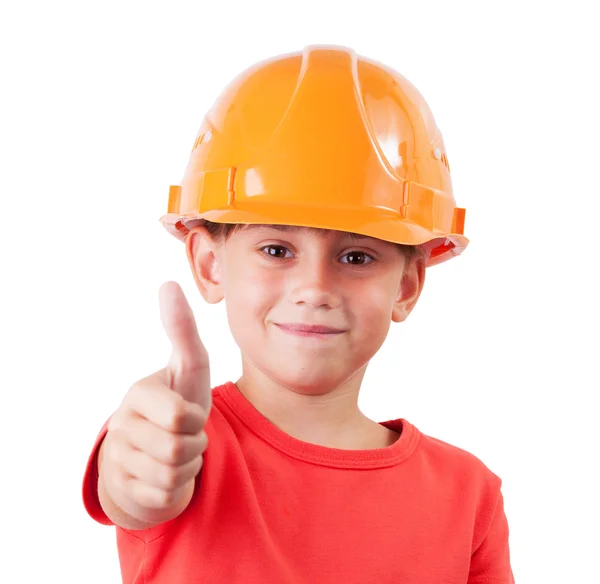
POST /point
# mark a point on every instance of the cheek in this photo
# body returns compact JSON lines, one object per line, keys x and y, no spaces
{"x":373,"y":310}
{"x":376,"y":300}
{"x":249,"y":296}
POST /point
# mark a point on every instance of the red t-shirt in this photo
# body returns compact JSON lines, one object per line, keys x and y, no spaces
{"x":269,"y":508}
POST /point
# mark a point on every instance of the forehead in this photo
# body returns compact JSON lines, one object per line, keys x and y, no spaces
{"x":305,"y":230}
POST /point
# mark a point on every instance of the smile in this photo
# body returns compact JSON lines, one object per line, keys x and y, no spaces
{"x":315,"y":331}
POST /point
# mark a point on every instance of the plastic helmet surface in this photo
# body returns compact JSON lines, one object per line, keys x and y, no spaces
{"x":322,"y":138}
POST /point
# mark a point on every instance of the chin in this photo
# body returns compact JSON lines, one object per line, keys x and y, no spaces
{"x":311,"y":383}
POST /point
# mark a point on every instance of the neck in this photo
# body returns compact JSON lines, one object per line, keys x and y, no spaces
{"x":329,"y":418}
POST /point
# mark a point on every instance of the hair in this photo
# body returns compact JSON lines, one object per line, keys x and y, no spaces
{"x":221,"y":232}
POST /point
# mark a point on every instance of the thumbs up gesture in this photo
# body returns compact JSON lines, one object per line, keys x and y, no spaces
{"x":154,"y":446}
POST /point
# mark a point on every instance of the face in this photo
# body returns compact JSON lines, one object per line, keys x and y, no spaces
{"x":308,"y":308}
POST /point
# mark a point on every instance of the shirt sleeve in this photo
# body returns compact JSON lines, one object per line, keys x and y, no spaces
{"x":90,"y":482}
{"x":490,"y":562}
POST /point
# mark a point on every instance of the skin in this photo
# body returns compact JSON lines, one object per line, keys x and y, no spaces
{"x":308,"y":387}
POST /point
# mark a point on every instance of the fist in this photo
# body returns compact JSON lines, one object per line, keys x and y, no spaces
{"x":154,"y":446}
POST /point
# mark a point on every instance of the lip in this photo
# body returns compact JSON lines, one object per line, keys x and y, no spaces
{"x":309,"y":330}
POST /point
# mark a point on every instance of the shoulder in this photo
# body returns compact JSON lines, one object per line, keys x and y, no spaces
{"x":460,"y":476}
{"x":451,"y":460}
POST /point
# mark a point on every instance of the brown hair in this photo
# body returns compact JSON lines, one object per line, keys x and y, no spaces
{"x":221,"y":232}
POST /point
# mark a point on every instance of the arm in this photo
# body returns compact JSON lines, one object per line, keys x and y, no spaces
{"x":490,"y":562}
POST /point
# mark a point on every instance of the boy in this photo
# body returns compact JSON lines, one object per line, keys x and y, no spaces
{"x":317,"y":192}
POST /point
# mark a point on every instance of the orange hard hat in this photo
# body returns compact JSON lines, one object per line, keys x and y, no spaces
{"x":322,"y":138}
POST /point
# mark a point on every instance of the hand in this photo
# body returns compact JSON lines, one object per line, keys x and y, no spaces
{"x":154,"y":446}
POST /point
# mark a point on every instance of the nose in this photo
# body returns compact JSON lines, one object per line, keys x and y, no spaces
{"x":313,"y":283}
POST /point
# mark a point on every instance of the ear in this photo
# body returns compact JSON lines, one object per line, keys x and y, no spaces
{"x":203,"y":255}
{"x":411,"y":285}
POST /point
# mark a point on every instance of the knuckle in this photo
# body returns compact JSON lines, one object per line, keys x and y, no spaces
{"x":176,"y":413}
{"x":112,"y":456}
{"x":121,"y":485}
{"x":170,"y":479}
{"x":134,"y":391}
{"x":199,"y":414}
{"x":123,"y":461}
{"x":115,"y":421}
{"x":164,"y":497}
{"x":113,"y":447}
{"x":175,"y":449}
{"x":144,"y":495}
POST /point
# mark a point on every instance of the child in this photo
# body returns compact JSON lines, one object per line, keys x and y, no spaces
{"x":317,"y":192}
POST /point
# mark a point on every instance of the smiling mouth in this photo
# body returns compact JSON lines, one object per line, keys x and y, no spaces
{"x":304,"y":330}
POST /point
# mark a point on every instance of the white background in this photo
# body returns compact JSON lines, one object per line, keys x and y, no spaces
{"x":101,"y":103}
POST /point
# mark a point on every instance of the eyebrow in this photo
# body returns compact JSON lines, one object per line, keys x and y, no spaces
{"x":302,"y":229}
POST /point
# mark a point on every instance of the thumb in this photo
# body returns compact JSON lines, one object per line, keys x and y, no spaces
{"x":188,"y":371}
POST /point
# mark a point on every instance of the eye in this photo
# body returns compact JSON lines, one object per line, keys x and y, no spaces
{"x":358,"y":258}
{"x":274,"y":251}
